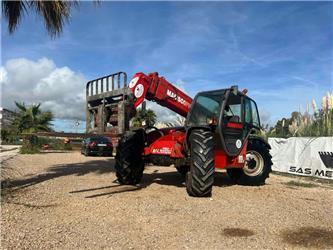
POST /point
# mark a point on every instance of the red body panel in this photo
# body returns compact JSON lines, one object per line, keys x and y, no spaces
{"x":224,"y":161}
{"x":171,"y":143}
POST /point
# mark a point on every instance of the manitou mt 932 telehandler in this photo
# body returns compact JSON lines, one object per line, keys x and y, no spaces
{"x":219,"y":132}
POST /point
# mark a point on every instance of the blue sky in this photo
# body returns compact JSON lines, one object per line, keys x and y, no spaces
{"x":282,"y":52}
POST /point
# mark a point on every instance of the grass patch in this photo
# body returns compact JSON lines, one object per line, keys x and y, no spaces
{"x":29,"y":150}
{"x":305,"y":178}
{"x":67,"y":147}
{"x":301,"y":184}
{"x":34,"y":145}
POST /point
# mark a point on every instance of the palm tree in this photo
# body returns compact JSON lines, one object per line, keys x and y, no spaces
{"x":178,"y":122}
{"x":31,"y":119}
{"x":55,"y":13}
{"x":148,"y":116}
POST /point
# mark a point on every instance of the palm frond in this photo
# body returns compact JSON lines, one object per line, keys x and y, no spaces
{"x":35,"y":110}
{"x":21,"y":106}
{"x":30,"y":119}
{"x":54,"y":13}
{"x":13,"y":11}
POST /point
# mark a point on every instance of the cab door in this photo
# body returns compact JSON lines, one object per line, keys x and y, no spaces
{"x":251,"y":114}
{"x":233,"y":130}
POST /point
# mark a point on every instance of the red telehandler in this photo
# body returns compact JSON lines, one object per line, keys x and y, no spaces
{"x":219,"y":132}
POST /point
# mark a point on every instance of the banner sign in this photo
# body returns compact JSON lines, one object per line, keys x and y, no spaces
{"x":304,"y":156}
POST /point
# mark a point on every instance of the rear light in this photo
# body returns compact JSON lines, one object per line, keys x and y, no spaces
{"x":92,"y":144}
{"x":109,"y":144}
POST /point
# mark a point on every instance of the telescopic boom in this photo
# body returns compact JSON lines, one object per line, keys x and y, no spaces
{"x":158,"y":89}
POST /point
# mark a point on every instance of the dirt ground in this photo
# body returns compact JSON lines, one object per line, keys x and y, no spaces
{"x":66,"y":201}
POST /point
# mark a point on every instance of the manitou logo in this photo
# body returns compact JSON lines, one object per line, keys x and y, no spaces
{"x":327,"y":159}
{"x":176,"y":97}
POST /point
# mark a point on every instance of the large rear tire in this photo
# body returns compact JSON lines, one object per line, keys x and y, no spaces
{"x":129,"y":160}
{"x":200,"y":178}
{"x":257,"y":167}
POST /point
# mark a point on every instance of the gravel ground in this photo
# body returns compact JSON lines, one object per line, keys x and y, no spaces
{"x":66,"y":200}
{"x":8,"y":151}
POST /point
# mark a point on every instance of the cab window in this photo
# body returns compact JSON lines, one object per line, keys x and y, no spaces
{"x":251,"y":113}
{"x":206,"y":108}
{"x":233,"y":109}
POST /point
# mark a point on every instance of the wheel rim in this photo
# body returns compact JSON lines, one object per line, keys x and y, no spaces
{"x":254,"y":163}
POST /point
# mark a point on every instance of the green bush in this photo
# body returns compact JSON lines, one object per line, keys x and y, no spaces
{"x":30,"y":145}
{"x":29,"y":149}
{"x":305,"y":125}
{"x":33,"y":144}
{"x":55,"y":144}
{"x":320,"y":123}
{"x":67,"y":147}
{"x":9,"y":136}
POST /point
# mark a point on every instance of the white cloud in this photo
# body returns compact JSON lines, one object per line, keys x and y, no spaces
{"x":3,"y":75}
{"x":163,"y":113}
{"x":60,"y":90}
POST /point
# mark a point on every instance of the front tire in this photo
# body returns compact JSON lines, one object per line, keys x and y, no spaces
{"x":129,"y":160}
{"x":257,"y":167}
{"x":200,"y":178}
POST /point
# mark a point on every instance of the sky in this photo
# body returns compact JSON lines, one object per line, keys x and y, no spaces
{"x":282,"y":52}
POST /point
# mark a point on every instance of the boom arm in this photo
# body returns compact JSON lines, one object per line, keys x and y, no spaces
{"x":157,"y":89}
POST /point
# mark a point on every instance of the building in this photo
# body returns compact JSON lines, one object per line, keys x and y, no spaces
{"x":6,"y":118}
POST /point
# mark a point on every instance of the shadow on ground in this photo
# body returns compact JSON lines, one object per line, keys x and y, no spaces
{"x":309,"y":237}
{"x":172,"y":178}
{"x":237,"y":232}
{"x":78,"y":169}
{"x":33,"y":206}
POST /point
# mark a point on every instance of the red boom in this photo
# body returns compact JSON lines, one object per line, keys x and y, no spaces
{"x":157,"y":89}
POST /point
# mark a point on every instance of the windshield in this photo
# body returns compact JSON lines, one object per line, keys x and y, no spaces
{"x":206,"y":108}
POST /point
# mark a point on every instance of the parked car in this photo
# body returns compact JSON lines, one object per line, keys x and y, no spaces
{"x":99,"y":145}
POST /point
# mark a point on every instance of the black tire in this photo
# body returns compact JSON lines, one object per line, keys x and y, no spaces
{"x":257,"y":169}
{"x":200,"y":178}
{"x":129,"y":160}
